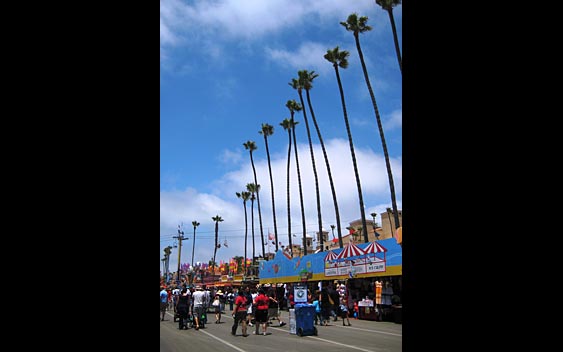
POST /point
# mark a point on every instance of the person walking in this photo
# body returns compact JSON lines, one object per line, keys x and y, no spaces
{"x":239,"y":314}
{"x":274,"y":308}
{"x":261,"y":305}
{"x":199,"y":298}
{"x":317,"y":305}
{"x":344,"y":314}
{"x":182,"y":307}
{"x":231,"y":300}
{"x":163,"y":302}
{"x":326,"y":306}
{"x":217,"y":309}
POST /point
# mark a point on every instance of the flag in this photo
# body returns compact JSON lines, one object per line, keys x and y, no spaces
{"x":287,"y":253}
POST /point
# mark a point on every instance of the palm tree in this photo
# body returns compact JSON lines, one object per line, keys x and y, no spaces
{"x":245,"y":196}
{"x":167,"y":252}
{"x":195,"y":224}
{"x":253,"y":189}
{"x":357,"y":26}
{"x":388,"y":5}
{"x":238,"y":260}
{"x":268,"y":130}
{"x":297,"y":84}
{"x":217,"y":219}
{"x":294,"y":106}
{"x":307,"y":83}
{"x":287,"y":125}
{"x":251,"y":146}
{"x":340,"y":59}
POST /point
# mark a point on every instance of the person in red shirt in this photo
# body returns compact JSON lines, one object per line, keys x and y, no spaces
{"x":261,"y":303}
{"x":291,"y":302}
{"x":356,"y":310}
{"x":239,"y":314}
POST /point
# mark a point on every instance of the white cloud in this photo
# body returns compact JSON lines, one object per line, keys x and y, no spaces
{"x":309,"y":54}
{"x":250,"y":20}
{"x":230,"y":157}
{"x":394,"y":121}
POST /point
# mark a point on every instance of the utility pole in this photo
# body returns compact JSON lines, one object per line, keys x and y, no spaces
{"x":180,"y":238}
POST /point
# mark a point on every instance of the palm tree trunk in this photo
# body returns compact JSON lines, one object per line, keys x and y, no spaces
{"x":272,"y":187}
{"x":288,"y":202}
{"x":333,"y":190}
{"x":381,"y":134}
{"x":193,"y":248}
{"x":245,"y":239}
{"x":215,"y":250}
{"x":299,"y":182}
{"x":252,"y":224}
{"x":258,"y":200}
{"x":395,"y":38}
{"x":317,"y":192}
{"x":362,"y":211}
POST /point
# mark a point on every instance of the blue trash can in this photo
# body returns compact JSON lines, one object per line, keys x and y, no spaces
{"x":305,"y":319}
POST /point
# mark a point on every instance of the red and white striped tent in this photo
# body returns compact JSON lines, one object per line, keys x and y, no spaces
{"x":350,"y":251}
{"x":375,"y":247}
{"x":330,"y":256}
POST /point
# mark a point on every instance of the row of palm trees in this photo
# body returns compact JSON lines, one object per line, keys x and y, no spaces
{"x":339,"y":59}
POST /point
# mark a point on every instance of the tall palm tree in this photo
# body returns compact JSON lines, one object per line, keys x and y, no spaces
{"x":294,"y":106}
{"x":245,"y":196}
{"x":307,"y":83}
{"x":388,"y":5}
{"x":195,"y":224}
{"x":358,"y":25}
{"x":217,"y":219}
{"x":251,"y":146}
{"x":268,"y":130}
{"x":167,"y":252}
{"x":287,"y":125}
{"x":340,"y":59}
{"x":253,"y":188}
{"x":297,"y":84}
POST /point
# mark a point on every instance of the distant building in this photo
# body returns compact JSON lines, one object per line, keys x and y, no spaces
{"x":354,"y":230}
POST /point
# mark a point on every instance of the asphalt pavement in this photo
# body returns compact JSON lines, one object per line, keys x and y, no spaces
{"x":362,"y":335}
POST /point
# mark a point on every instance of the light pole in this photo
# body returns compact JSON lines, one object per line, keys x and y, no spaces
{"x":373,"y":215}
{"x":180,"y":238}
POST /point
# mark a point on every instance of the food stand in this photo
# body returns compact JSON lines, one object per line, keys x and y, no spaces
{"x":367,"y":310}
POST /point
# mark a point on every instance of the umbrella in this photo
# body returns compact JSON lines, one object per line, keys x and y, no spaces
{"x":350,"y":251}
{"x":330,"y":256}
{"x":375,"y":247}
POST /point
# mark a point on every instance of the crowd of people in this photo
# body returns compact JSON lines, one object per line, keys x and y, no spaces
{"x":250,"y":306}
{"x":257,"y":306}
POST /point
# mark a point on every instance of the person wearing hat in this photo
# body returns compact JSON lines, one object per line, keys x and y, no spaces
{"x":199,"y":299}
{"x":217,"y":308}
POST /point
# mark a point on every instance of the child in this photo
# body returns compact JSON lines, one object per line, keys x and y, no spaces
{"x":356,"y":310}
{"x":317,"y":305}
{"x":344,"y":311}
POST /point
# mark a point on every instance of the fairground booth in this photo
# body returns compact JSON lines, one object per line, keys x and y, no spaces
{"x":371,"y":272}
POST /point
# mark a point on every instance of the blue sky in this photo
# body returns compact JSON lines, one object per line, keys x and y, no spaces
{"x":225,"y":66}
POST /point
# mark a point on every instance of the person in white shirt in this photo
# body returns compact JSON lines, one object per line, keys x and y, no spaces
{"x":199,"y":299}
